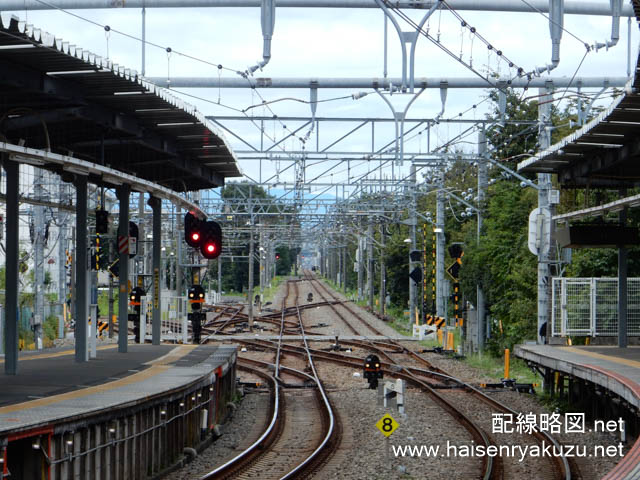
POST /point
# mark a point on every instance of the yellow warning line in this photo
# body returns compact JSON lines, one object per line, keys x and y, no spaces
{"x":623,"y":361}
{"x":173,"y":355}
{"x":56,"y":354}
{"x":159,"y":365}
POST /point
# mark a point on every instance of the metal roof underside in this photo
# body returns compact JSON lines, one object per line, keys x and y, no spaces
{"x":605,"y":152}
{"x":103,"y":113}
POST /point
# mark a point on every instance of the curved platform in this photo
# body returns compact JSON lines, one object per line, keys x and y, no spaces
{"x":606,"y":375}
{"x":130,"y":414}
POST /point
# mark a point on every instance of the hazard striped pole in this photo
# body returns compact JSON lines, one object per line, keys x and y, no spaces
{"x":97,"y":259}
{"x":433,"y":273}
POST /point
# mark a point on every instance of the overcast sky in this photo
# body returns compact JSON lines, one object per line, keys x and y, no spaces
{"x":334,"y":43}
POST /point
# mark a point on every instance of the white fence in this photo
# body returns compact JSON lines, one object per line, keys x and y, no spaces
{"x":589,"y":306}
{"x":173,"y":319}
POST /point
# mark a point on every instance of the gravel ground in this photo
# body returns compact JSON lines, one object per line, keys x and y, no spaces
{"x":335,"y":325}
{"x":362,"y":453}
{"x":242,"y":429}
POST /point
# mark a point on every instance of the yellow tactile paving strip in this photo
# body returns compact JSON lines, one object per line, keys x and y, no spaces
{"x":62,"y":353}
{"x":174,"y":355}
{"x":609,"y":358}
{"x":157,"y":366}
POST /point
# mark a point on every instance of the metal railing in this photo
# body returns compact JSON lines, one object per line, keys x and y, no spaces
{"x":589,"y":306}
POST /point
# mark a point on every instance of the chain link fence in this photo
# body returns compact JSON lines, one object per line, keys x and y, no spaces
{"x":589,"y":306}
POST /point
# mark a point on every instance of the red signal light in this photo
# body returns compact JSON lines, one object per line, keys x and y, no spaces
{"x":210,"y":240}
{"x":195,"y":236}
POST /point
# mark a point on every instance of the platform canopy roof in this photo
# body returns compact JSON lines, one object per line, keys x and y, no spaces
{"x":60,"y":97}
{"x":605,"y":152}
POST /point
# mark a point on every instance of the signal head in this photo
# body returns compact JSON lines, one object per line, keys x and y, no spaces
{"x":192,"y":230}
{"x":211,"y":242}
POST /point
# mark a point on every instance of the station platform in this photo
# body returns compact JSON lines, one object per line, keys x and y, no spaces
{"x":146,"y":392}
{"x":615,"y":369}
{"x":604,"y":380}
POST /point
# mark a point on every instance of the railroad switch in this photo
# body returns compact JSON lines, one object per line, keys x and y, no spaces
{"x":511,"y":384}
{"x":441,"y":351}
{"x":298,"y":386}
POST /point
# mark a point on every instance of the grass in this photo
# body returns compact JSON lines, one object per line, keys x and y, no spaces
{"x":494,"y":367}
{"x":270,"y":292}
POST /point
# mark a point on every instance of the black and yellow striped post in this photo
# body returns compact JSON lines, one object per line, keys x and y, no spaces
{"x":97,"y":259}
{"x":456,"y":304}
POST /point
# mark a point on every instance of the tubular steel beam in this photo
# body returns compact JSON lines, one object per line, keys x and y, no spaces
{"x":570,"y":6}
{"x":355,"y":83}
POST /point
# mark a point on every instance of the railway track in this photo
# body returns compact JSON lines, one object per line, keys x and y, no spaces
{"x":470,"y":407}
{"x":463,"y":396}
{"x":303,"y":430}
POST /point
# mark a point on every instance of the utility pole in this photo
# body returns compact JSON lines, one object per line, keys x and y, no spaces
{"x":339,"y":278}
{"x":344,"y":265}
{"x":62,"y":257}
{"x":220,"y":277}
{"x":262,"y":252}
{"x":440,"y":300}
{"x":413,"y":290}
{"x":360,"y":266}
{"x":383,"y":280}
{"x":544,"y":183}
{"x":482,"y":189}
{"x":38,"y":248}
{"x":250,"y":292}
{"x":180,"y":228}
{"x":370,"y":261}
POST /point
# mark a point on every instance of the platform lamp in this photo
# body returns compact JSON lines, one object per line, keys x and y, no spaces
{"x":37,"y":445}
{"x":68,"y":445}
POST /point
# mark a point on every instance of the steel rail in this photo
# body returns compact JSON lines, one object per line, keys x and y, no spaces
{"x":343,"y":304}
{"x":476,"y":432}
{"x":228,"y":466}
{"x":331,"y":428}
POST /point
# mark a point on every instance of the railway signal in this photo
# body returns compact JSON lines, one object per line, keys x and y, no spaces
{"x":211,"y":243}
{"x":372,"y":370}
{"x":416,"y":275}
{"x":133,"y":239}
{"x":102,"y":222}
{"x":456,"y":251}
{"x":135,"y":300}
{"x":192,"y":230}
{"x":135,"y":297}
{"x":195,"y":296}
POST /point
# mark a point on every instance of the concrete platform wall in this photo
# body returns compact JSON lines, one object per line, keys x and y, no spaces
{"x":135,"y":441}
